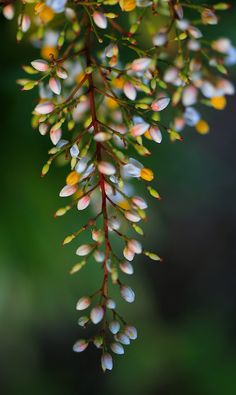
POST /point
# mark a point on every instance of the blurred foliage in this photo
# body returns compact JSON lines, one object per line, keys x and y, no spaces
{"x":184,"y":308}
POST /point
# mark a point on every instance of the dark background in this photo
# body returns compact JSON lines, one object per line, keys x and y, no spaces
{"x":185,"y":307}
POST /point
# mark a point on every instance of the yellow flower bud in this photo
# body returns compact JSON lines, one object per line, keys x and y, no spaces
{"x":72,"y":178}
{"x":127,"y":5}
{"x":46,"y":14}
{"x":218,"y":102}
{"x":146,"y":174}
{"x":202,"y":127}
{"x":111,"y":103}
{"x":46,"y":52}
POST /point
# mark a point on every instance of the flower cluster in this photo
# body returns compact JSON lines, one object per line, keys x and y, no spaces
{"x":103,"y":97}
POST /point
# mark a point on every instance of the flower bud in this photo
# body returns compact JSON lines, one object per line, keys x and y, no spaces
{"x":80,"y":345}
{"x":44,"y":108}
{"x":111,"y":304}
{"x":160,"y":104}
{"x":139,"y":202}
{"x":130,"y":91}
{"x":139,"y":129}
{"x":40,"y":65}
{"x":106,"y":168}
{"x":97,"y":314}
{"x":126,"y":268}
{"x":84,"y":249}
{"x":106,"y":362}
{"x":140,"y":64}
{"x":127,"y":293}
{"x":68,"y":190}
{"x":55,"y":135}
{"x":131,"y":332}
{"x":132,"y":216}
{"x":100,"y":20}
{"x":135,"y":246}
{"x":98,"y":341}
{"x":82,"y":321}
{"x":114,"y":327}
{"x":155,"y":134}
{"x":55,"y":85}
{"x":128,"y":254}
{"x":117,"y":348}
{"x":83,"y":203}
{"x":83,"y":303}
{"x":123,"y":338}
{"x":99,"y":256}
{"x":61,"y":73}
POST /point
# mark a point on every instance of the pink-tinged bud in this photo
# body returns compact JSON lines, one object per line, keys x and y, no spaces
{"x":139,"y":129}
{"x":126,"y":268}
{"x":97,"y":314}
{"x":55,"y":135}
{"x":159,"y":39}
{"x":82,"y":321}
{"x":55,"y":85}
{"x":155,"y":134}
{"x":61,"y":73}
{"x":84,"y":250}
{"x":99,"y":256}
{"x":100,"y":20}
{"x":131,"y":332}
{"x":130,"y":91}
{"x":139,"y":202}
{"x":106,"y":361}
{"x":25,"y":23}
{"x":140,"y":64}
{"x":68,"y":190}
{"x":127,"y":293}
{"x":171,"y":75}
{"x":160,"y":104}
{"x":117,"y":348}
{"x":43,"y":128}
{"x":123,"y":338}
{"x":132,"y":216}
{"x":135,"y":246}
{"x":40,"y":65}
{"x":114,"y":223}
{"x":195,"y":32}
{"x":44,"y":108}
{"x":8,"y":11}
{"x":128,"y":254}
{"x":80,"y":345}
{"x":83,"y":303}
{"x":102,"y":136}
{"x":114,"y":327}
{"x":111,"y":304}
{"x":106,"y":168}
{"x":83,"y":203}
{"x":189,"y":96}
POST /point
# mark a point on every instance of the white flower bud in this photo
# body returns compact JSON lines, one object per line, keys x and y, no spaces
{"x":25,"y":23}
{"x":139,"y":129}
{"x":55,"y":85}
{"x":74,"y":151}
{"x":80,"y":345}
{"x":131,"y":332}
{"x":83,"y":303}
{"x":97,"y":314}
{"x":159,"y":39}
{"x":140,"y":64}
{"x":55,"y":135}
{"x":100,"y":20}
{"x":127,"y":293}
{"x":126,"y":268}
{"x":99,"y":256}
{"x":106,"y":362}
{"x":155,"y":134}
{"x":117,"y":348}
{"x":68,"y":190}
{"x":139,"y":202}
{"x":40,"y":65}
{"x":128,"y":254}
{"x":135,"y":246}
{"x":83,"y":203}
{"x":84,"y":249}
{"x":8,"y":11}
{"x":189,"y":96}
{"x":102,"y":136}
{"x":61,"y":73}
{"x":44,"y":108}
{"x":114,"y":327}
{"x":132,"y":216}
{"x":43,"y":128}
{"x":160,"y":104}
{"x":130,"y":91}
{"x":111,"y":304}
{"x":123,"y":338}
{"x":106,"y":168}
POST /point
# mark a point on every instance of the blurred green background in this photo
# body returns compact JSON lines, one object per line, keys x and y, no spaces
{"x":185,"y":307}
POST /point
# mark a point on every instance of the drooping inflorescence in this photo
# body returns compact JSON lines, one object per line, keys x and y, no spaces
{"x":112,"y":76}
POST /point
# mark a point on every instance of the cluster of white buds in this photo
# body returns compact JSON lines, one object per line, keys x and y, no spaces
{"x":102,"y":110}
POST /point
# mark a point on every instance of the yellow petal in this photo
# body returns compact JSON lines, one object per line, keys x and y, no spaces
{"x":202,"y":127}
{"x":127,"y":5}
{"x":146,"y":174}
